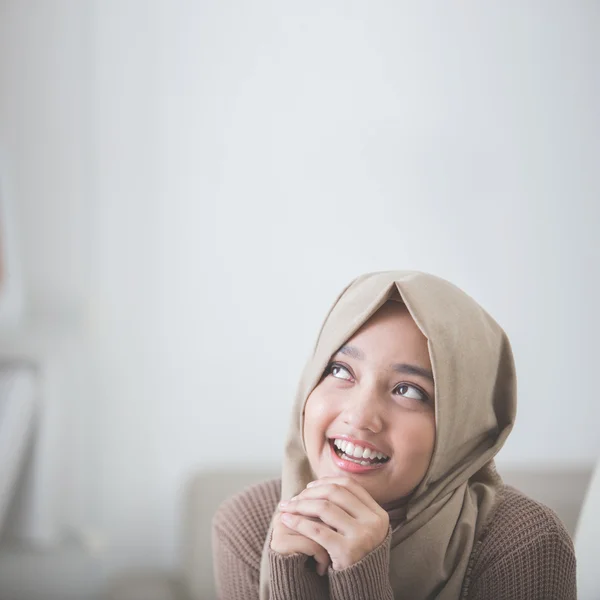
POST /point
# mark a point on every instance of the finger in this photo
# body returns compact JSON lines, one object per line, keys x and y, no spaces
{"x":351,"y":486}
{"x":316,"y":531}
{"x":302,"y":544}
{"x":319,"y":554}
{"x":289,"y":531}
{"x":336,"y":494}
{"x":323,"y":509}
{"x":289,"y":541}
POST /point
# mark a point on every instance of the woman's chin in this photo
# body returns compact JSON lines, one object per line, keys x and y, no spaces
{"x":323,"y":471}
{"x":324,"y":467}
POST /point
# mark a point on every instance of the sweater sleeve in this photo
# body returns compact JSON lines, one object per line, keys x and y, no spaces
{"x":239,"y":529}
{"x":542,"y":569}
{"x":236,"y":577}
{"x":368,"y":579}
{"x":293,"y":579}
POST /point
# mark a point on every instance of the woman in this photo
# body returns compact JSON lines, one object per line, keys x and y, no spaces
{"x":388,"y":488}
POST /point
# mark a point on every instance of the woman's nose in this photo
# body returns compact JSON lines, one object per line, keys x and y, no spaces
{"x":363,"y":411}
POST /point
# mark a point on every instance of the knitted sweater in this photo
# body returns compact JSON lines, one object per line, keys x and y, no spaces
{"x":524,"y":554}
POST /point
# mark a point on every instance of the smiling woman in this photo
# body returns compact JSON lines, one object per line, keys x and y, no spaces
{"x":388,"y":488}
{"x":376,"y":396}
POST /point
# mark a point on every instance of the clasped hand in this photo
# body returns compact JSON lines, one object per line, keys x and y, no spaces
{"x":334,"y":520}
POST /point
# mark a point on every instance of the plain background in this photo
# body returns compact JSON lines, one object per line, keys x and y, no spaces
{"x":194,"y":182}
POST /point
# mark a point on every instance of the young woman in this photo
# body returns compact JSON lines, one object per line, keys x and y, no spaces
{"x":388,"y":488}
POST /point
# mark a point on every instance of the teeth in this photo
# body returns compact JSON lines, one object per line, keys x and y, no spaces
{"x":350,"y":450}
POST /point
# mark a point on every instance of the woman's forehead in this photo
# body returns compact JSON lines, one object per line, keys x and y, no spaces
{"x":389,"y":333}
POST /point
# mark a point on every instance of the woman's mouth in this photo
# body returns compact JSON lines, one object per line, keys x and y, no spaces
{"x":355,"y":458}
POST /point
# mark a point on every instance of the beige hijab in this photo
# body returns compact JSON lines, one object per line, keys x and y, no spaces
{"x":475,"y":406}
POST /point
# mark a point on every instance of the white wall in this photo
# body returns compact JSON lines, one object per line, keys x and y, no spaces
{"x":45,"y":152}
{"x":198,"y":181}
{"x":45,"y":128}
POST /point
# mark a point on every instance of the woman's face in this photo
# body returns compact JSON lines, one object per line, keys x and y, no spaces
{"x":376,"y":398}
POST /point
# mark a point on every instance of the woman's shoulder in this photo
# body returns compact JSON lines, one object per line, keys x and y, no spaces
{"x":519,"y":520}
{"x":246,"y":516}
{"x":523,"y":531}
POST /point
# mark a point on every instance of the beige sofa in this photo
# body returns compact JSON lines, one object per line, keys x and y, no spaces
{"x":563,"y":490}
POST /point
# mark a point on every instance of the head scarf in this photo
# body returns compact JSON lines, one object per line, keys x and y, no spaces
{"x":475,"y":408}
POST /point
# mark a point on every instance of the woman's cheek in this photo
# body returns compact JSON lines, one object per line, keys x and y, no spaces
{"x":418,"y":440}
{"x":320,"y":406}
{"x":315,"y":412}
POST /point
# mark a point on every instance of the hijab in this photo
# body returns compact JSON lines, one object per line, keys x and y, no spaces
{"x":436,"y":528}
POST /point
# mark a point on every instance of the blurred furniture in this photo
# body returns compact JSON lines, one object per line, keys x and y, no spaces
{"x":587,"y":542}
{"x":42,"y":368}
{"x":561,"y":490}
{"x":50,"y":352}
{"x":18,"y":403}
{"x":11,"y":288}
{"x":66,"y":572}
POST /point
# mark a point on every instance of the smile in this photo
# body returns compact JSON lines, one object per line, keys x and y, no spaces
{"x":354,"y":458}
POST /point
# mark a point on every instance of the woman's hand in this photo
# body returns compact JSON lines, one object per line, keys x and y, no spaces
{"x":349,"y":524}
{"x":287,"y":541}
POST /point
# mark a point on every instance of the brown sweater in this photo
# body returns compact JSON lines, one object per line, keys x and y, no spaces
{"x":524,"y":554}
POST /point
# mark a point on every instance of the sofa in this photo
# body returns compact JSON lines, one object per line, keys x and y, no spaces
{"x":561,"y":489}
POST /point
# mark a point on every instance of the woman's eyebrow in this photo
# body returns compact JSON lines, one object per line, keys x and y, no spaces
{"x":405,"y":369}
{"x":402,"y":368}
{"x":352,"y":351}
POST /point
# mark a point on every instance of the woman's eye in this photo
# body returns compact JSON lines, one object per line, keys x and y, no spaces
{"x":340,"y":372}
{"x":410,"y":391}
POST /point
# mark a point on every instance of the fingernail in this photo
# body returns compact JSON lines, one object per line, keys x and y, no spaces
{"x":283,"y":503}
{"x":311,"y":484}
{"x":286,"y":518}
